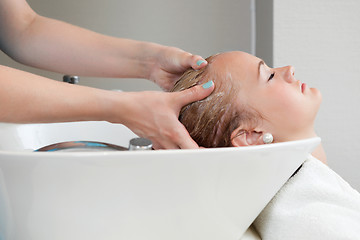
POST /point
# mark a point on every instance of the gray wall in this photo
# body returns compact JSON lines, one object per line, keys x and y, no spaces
{"x":264,"y":31}
{"x":321,"y":39}
{"x":201,"y":27}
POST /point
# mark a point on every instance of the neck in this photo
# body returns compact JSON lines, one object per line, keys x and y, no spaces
{"x":319,"y":153}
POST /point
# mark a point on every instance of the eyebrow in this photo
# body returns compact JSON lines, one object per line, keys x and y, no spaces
{"x":259,"y":65}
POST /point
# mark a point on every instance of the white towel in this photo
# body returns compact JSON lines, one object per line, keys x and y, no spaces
{"x":315,"y":203}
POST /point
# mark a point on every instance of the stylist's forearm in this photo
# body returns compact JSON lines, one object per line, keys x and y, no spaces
{"x":65,"y":48}
{"x":25,"y":97}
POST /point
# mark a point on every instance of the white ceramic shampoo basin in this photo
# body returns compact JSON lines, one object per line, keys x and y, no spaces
{"x":207,"y":194}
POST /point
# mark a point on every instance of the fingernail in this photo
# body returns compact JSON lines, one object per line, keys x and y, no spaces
{"x":208,"y":84}
{"x":199,"y":62}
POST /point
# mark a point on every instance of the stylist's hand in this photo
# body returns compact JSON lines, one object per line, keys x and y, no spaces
{"x":171,"y":63}
{"x":154,"y":115}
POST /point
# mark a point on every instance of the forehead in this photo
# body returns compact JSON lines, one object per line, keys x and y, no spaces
{"x":242,"y":66}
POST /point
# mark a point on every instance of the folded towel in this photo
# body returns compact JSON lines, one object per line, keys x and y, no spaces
{"x":315,"y":203}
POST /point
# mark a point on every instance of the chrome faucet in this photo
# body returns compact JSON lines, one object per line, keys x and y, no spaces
{"x":71,"y":79}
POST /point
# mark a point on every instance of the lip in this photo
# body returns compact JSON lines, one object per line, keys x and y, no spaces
{"x":303,"y":87}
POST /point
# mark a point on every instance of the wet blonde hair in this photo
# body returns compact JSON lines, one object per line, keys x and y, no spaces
{"x":212,"y":120}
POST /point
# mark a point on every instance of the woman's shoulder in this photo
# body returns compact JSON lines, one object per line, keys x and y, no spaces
{"x":319,"y":175}
{"x":315,"y":202}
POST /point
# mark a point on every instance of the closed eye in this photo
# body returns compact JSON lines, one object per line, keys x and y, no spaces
{"x":271,"y":76}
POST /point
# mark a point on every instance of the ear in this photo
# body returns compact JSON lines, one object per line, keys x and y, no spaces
{"x":241,"y":137}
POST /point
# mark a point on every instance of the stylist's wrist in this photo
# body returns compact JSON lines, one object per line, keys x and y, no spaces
{"x":117,"y":107}
{"x":149,"y":58}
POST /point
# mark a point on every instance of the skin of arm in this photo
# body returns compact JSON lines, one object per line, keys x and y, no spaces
{"x":31,"y":98}
{"x":25,"y":34}
{"x":38,"y":41}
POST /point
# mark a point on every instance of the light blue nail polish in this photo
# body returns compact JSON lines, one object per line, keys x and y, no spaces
{"x":208,"y":84}
{"x":199,"y":62}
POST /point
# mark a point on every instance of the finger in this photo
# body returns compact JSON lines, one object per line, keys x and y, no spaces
{"x":194,"y":94}
{"x":156,"y":145}
{"x":197,"y":62}
{"x":178,"y":138}
{"x":164,"y":144}
{"x":170,"y":145}
{"x":188,"y":143}
{"x":184,"y":140}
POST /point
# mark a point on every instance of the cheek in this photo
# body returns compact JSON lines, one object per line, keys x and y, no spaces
{"x":282,"y":107}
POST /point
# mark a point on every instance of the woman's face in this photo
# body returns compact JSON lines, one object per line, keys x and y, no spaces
{"x":287,"y":105}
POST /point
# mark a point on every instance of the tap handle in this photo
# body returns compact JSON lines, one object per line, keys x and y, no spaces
{"x":71,"y":79}
{"x":137,"y":144}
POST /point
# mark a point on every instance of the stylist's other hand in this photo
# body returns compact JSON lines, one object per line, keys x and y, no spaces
{"x":171,"y":63}
{"x":154,"y":115}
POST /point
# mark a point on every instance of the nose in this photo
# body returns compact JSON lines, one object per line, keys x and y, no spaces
{"x":289,"y":72}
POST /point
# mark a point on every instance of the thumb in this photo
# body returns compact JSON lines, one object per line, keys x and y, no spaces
{"x":198,"y":62}
{"x":195,"y":93}
{"x":195,"y":61}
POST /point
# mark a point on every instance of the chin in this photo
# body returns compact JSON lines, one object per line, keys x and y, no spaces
{"x":316,"y":98}
{"x":317,"y":94}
